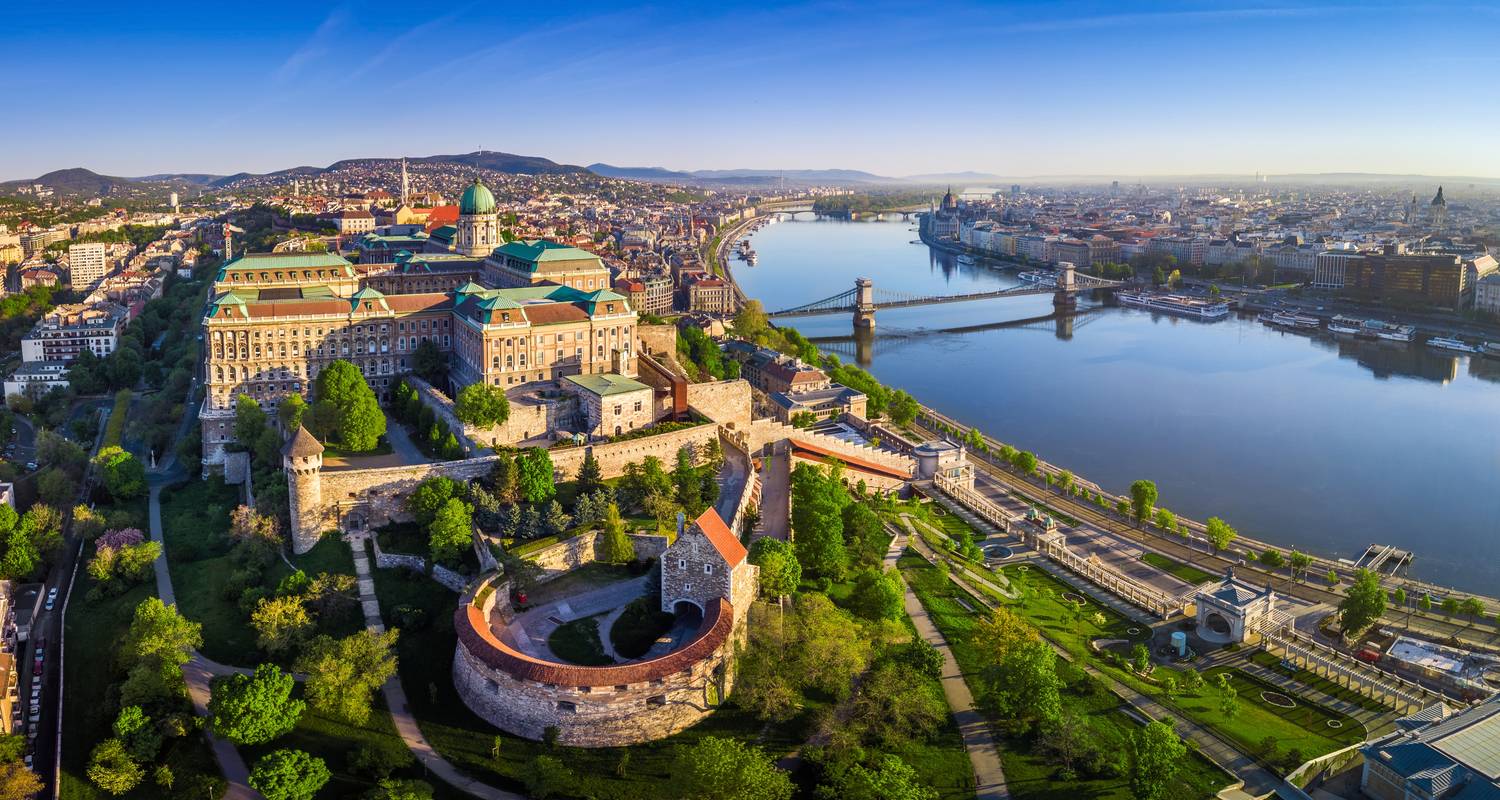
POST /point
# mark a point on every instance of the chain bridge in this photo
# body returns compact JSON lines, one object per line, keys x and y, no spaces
{"x":864,"y":299}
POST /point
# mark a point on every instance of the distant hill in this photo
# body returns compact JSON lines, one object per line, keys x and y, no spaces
{"x":743,"y":177}
{"x":74,"y":182}
{"x":194,"y":178}
{"x":503,"y":162}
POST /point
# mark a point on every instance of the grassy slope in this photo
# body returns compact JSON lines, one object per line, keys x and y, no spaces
{"x":1030,"y":774}
{"x":195,"y":524}
{"x":93,"y":635}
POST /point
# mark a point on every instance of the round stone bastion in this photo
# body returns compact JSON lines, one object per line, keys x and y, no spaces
{"x":605,"y":706}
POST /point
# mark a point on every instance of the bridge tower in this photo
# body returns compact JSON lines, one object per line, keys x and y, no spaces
{"x":1066,"y":296}
{"x":864,"y":303}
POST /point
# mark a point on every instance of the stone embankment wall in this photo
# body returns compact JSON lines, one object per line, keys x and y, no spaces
{"x":378,"y":495}
{"x":415,"y":563}
{"x":724,"y":402}
{"x":585,"y":548}
{"x":589,"y":706}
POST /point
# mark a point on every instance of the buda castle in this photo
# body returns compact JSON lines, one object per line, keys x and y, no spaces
{"x":508,"y":314}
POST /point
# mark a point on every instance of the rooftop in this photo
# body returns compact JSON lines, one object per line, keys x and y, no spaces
{"x":605,"y":384}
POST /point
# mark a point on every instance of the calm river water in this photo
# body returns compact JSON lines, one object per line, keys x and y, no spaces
{"x":1316,"y":443}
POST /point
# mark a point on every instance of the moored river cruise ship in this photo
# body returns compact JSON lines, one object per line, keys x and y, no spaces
{"x":1178,"y":304}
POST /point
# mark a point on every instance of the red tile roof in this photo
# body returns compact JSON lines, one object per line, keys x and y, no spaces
{"x":553,"y":313}
{"x":718,"y":534}
{"x":474,"y":635}
{"x":851,"y":462}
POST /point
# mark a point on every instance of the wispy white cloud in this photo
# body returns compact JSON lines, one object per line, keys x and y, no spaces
{"x":314,"y":47}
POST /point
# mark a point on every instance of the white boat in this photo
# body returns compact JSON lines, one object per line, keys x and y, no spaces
{"x":1180,"y":305}
{"x":1343,"y":324}
{"x":1456,"y":345}
{"x":965,"y":260}
{"x":1490,"y":349}
{"x":1287,"y":318}
{"x":1388,"y":331}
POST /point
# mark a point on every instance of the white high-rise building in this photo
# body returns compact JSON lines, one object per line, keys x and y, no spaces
{"x":87,"y":264}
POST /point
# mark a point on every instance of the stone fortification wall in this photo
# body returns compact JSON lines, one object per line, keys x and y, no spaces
{"x":585,"y":548}
{"x":415,"y":563}
{"x":724,"y":402}
{"x":531,"y":415}
{"x":765,"y":431}
{"x":658,"y":340}
{"x":589,"y":706}
{"x":323,"y":499}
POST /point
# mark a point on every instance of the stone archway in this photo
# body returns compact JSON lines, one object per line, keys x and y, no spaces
{"x":1216,"y":624}
{"x":687,"y":610}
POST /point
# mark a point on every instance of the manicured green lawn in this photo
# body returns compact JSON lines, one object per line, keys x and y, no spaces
{"x":578,"y":642}
{"x":195,"y":525}
{"x":335,"y":741}
{"x":93,"y":636}
{"x":1177,"y":569}
{"x":639,"y":626}
{"x":426,"y":660}
{"x":1303,"y":728}
{"x":1030,"y":773}
{"x":1320,"y":683}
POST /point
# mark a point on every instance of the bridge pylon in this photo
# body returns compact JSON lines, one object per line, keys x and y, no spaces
{"x":1066,"y":296}
{"x":864,"y":303}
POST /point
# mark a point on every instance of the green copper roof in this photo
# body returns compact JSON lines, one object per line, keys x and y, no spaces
{"x":607,"y":383}
{"x":476,"y":199}
{"x":469,"y":288}
{"x":287,"y":261}
{"x":542,"y":250}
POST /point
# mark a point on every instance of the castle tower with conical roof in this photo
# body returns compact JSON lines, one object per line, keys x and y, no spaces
{"x":302,"y":458}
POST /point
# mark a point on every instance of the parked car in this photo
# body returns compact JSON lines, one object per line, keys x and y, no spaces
{"x":51,"y":597}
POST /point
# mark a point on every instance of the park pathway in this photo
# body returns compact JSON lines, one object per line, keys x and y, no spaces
{"x":1256,"y":780}
{"x":984,"y":755}
{"x":200,"y":671}
{"x":395,"y":695}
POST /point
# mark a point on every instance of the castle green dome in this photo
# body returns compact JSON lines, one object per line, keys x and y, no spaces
{"x":476,"y":200}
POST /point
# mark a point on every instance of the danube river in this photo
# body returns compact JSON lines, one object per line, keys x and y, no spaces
{"x":1315,"y":443}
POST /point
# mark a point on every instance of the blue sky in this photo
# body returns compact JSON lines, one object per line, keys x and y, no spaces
{"x":1125,"y":89}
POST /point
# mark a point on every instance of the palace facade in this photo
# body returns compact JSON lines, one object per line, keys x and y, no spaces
{"x":277,"y":319}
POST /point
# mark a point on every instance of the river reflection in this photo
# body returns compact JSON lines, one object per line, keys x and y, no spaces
{"x":1315,"y":442}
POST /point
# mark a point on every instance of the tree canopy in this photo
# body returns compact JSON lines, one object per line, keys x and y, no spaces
{"x":254,"y":710}
{"x":289,"y":775}
{"x":481,"y":405}
{"x":717,"y":768}
{"x":1363,"y":603}
{"x":124,"y":476}
{"x":345,"y":410}
{"x":343,"y":674}
{"x":534,"y":475}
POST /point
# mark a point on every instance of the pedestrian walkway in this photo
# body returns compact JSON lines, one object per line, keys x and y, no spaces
{"x":984,"y":755}
{"x":1256,"y":781}
{"x":395,"y":695}
{"x":200,"y":672}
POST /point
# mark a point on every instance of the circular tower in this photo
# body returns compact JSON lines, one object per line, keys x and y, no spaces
{"x":478,"y":222}
{"x":303,"y":460}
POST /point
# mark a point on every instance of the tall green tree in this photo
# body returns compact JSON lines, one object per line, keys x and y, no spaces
{"x":878,"y":595}
{"x":291,"y":411}
{"x":451,"y":531}
{"x":505,"y":477}
{"x":1142,"y":499}
{"x":534,"y":475}
{"x":289,"y":775}
{"x":1220,"y":534}
{"x":343,"y":674}
{"x":618,"y":549}
{"x":249,"y":419}
{"x":590,"y":476}
{"x":345,"y":410}
{"x":817,"y":523}
{"x":124,"y":476}
{"x":688,"y":489}
{"x":481,"y":405}
{"x":112,"y":769}
{"x":429,"y":496}
{"x":1156,"y":753}
{"x":716,"y":768}
{"x":254,"y":710}
{"x":1363,"y":603}
{"x":888,"y":778}
{"x":780,"y":572}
